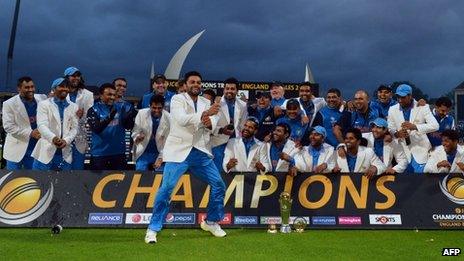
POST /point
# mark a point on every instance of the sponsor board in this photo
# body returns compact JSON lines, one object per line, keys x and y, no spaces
{"x":270,"y":220}
{"x":180,"y":219}
{"x":138,"y":218}
{"x":385,"y":219}
{"x":245,"y":220}
{"x":344,"y":220}
{"x":291,"y":219}
{"x":105,"y":218}
{"x":324,"y":220}
{"x":227,"y":220}
{"x":449,"y":219}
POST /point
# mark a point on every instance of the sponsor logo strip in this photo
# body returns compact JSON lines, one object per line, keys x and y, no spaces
{"x":385,"y":219}
{"x":227,"y":220}
{"x":324,"y":220}
{"x":342,"y":220}
{"x":246,"y":220}
{"x":105,"y":218}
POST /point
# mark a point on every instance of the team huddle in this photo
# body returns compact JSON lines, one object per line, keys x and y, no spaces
{"x":196,"y":131}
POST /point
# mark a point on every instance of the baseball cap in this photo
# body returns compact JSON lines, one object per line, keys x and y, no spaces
{"x":253,"y":119}
{"x":275,"y":83}
{"x":380,"y":122}
{"x":384,"y":87}
{"x":57,"y":82}
{"x":263,"y":94}
{"x":320,"y":130}
{"x":403,"y":90}
{"x":70,"y":71}
{"x":159,"y":76}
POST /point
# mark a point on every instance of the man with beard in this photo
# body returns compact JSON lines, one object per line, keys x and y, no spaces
{"x":280,"y":150}
{"x":232,"y":117}
{"x":188,"y":147}
{"x":127,"y":108}
{"x":319,"y":156}
{"x":277,"y":93}
{"x":20,"y":123}
{"x":84,"y":100}
{"x":158,"y":86}
{"x":57,"y":123}
{"x":359,"y":118}
{"x":244,"y":154}
{"x":410,"y":123}
{"x":108,"y":122}
{"x":447,"y":158}
{"x":387,"y":151}
{"x":265,"y":114}
{"x":358,"y":158}
{"x":445,"y":120}
{"x":331,"y":113}
{"x":384,"y":100}
{"x":150,"y":132}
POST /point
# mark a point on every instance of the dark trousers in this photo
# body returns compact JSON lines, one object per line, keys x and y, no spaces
{"x":113,"y":162}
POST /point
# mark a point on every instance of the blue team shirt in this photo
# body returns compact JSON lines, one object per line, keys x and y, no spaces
{"x":445,"y":124}
{"x":330,"y":117}
{"x":277,"y":102}
{"x":248,"y":144}
{"x":383,"y":107}
{"x":298,"y":129}
{"x":167,"y":100}
{"x":151,"y":147}
{"x":111,"y":141}
{"x":362,"y":121}
{"x":450,"y":157}
{"x":378,"y":148}
{"x":351,"y":162}
{"x":275,"y":154}
{"x":315,"y":153}
{"x":308,"y":107}
{"x":31,"y":109}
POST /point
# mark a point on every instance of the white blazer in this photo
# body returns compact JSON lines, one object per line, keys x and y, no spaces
{"x":143,"y":124}
{"x":439,"y":154}
{"x":84,"y":100}
{"x":304,"y":160}
{"x":392,"y":150}
{"x":186,"y":130}
{"x":282,"y":165}
{"x":240,"y":117}
{"x":17,"y":126}
{"x":422,"y":117}
{"x":236,"y":149}
{"x":365,"y":158}
{"x":50,"y":126}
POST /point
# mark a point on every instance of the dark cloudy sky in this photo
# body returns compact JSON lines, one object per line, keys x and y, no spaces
{"x":348,"y":44}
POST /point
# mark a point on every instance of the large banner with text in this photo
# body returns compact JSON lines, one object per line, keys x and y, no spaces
{"x":125,"y":199}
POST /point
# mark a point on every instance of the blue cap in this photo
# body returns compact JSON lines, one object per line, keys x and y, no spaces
{"x":320,"y":130}
{"x":403,"y":90}
{"x":380,"y":122}
{"x":70,"y":71}
{"x":57,"y":82}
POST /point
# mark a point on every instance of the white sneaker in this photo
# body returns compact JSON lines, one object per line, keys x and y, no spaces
{"x":214,"y":228}
{"x":150,"y":236}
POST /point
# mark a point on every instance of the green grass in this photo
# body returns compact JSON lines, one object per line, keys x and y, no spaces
{"x":240,"y":244}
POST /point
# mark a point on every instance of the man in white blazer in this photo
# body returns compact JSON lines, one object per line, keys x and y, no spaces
{"x":150,"y":132}
{"x":83,"y":98}
{"x":410,"y":123}
{"x":358,"y":158}
{"x":319,"y":156}
{"x":280,"y":150}
{"x":387,"y":151}
{"x":232,"y":117}
{"x":20,"y":124}
{"x":188,"y":147}
{"x":57,"y":123}
{"x":244,"y":153}
{"x":447,"y":158}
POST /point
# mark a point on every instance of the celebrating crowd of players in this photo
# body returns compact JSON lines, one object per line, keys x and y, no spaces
{"x":391,"y":133}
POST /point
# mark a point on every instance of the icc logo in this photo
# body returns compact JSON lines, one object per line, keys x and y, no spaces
{"x":453,"y":188}
{"x":20,"y":200}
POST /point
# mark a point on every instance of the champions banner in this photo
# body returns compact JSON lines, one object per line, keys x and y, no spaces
{"x":125,"y":199}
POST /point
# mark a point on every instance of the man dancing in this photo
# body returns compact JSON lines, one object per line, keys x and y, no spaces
{"x":188,"y":147}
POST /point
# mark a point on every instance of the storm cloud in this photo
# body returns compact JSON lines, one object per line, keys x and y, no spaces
{"x":348,"y":44}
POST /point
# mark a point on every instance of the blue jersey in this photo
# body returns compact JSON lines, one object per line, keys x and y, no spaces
{"x":330,"y":117}
{"x":167,"y":100}
{"x":108,"y":135}
{"x":358,"y":120}
{"x":446,"y":123}
{"x":383,"y":108}
{"x":298,"y":130}
{"x":31,"y":109}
